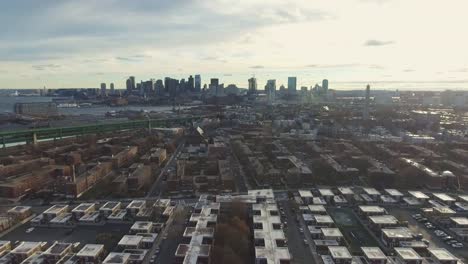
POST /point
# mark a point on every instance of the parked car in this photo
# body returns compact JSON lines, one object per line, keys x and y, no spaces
{"x":457,"y":245}
{"x":446,"y":238}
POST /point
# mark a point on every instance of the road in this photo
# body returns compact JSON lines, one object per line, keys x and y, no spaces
{"x":300,"y":252}
{"x":156,"y":188}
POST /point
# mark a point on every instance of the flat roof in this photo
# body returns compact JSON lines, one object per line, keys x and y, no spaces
{"x":57,"y":248}
{"x":317,"y":208}
{"x":332,"y":232}
{"x":137,"y":204}
{"x":463,"y":221}
{"x":61,"y":219}
{"x":393,"y":192}
{"x":345,"y":190}
{"x":418,"y":195}
{"x":383,"y":219}
{"x":83,"y":207}
{"x":118,"y":215}
{"x":373,"y":253}
{"x":442,"y":254}
{"x":319,"y":200}
{"x":110,"y":205}
{"x":463,"y":198}
{"x":90,"y":217}
{"x":371,"y":191}
{"x":372,"y":209}
{"x":142,"y":225}
{"x":58,"y":208}
{"x":117,"y":258}
{"x":407,"y":253}
{"x":26,"y":247}
{"x":339,"y":252}
{"x":323,"y":219}
{"x":400,"y":232}
{"x":444,"y":210}
{"x":411,"y":200}
{"x":90,"y":250}
{"x":325,"y":192}
{"x":130,"y":240}
{"x":306,"y":194}
{"x":444,"y":197}
{"x":19,"y":209}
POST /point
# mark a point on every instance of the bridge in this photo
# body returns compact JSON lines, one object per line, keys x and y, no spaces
{"x":35,"y":135}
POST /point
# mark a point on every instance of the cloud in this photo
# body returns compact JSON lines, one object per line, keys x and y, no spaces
{"x":375,"y":43}
{"x":133,"y":58}
{"x":328,"y":66}
{"x":45,"y":67}
{"x":408,"y":70}
{"x":257,"y":67}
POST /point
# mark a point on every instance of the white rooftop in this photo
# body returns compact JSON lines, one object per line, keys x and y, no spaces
{"x":371,"y":191}
{"x":383,"y":220}
{"x":305,"y":193}
{"x":407,"y":254}
{"x":117,"y":258}
{"x":317,"y":208}
{"x":372,"y":209}
{"x":90,"y":250}
{"x":463,"y":221}
{"x":83,"y":207}
{"x":418,"y":195}
{"x":393,"y":192}
{"x":444,"y":197}
{"x":373,"y":253}
{"x":130,"y":240}
{"x":326,"y":192}
{"x":400,"y":232}
{"x":339,"y":252}
{"x":441,"y":254}
{"x":58,"y":208}
{"x":331,"y":232}
{"x":345,"y":190}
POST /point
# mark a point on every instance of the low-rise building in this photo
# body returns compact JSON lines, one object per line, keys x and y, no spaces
{"x":109,"y":208}
{"x":332,"y":234}
{"x":340,"y":255}
{"x":382,"y":221}
{"x":20,"y":212}
{"x":91,"y":253}
{"x":83,"y":209}
{"x":117,"y":258}
{"x":26,"y":249}
{"x":408,"y":256}
{"x":369,"y":210}
{"x":443,"y":256}
{"x":54,"y":211}
{"x":135,"y":206}
{"x":391,"y":237}
{"x":130,"y":242}
{"x":374,"y":255}
{"x":141,"y":227}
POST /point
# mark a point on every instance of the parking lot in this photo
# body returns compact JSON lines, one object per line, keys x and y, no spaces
{"x":428,"y":234}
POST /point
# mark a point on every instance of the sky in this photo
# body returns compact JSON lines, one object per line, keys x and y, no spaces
{"x":76,"y":44}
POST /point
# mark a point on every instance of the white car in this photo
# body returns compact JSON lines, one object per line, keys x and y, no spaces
{"x":29,"y":230}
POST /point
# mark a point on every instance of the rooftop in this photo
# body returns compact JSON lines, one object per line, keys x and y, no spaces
{"x":372,"y":209}
{"x":110,"y":205}
{"x":117,"y":258}
{"x":90,"y":250}
{"x":383,"y":219}
{"x":305,"y":193}
{"x":345,"y":190}
{"x":317,"y":208}
{"x":463,"y":221}
{"x":130,"y":240}
{"x":136,"y":204}
{"x":400,"y":232}
{"x":57,"y":248}
{"x":418,"y":195}
{"x":26,"y":247}
{"x":338,"y":252}
{"x":407,"y":254}
{"x":326,"y":192}
{"x":373,"y":253}
{"x":58,"y":208}
{"x":19,"y":209}
{"x":323,"y":219}
{"x":83,"y":207}
{"x":371,"y":191}
{"x":140,"y":225}
{"x":441,"y":254}
{"x":393,"y":192}
{"x":332,"y":232}
{"x":444,"y":197}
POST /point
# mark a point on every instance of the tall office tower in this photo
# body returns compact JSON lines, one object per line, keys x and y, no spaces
{"x":103,"y":89}
{"x":270,"y":89}
{"x":366,"y":104}
{"x":171,"y":86}
{"x":182,"y":86}
{"x":292,"y":85}
{"x":128,"y":85}
{"x":132,"y":79}
{"x":325,"y":86}
{"x":112,"y":89}
{"x":197,"y":83}
{"x":252,"y":85}
{"x":159,"y":87}
{"x":191,"y":84}
{"x":214,"y":82}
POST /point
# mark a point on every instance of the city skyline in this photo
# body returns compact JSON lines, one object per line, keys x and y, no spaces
{"x":82,"y":44}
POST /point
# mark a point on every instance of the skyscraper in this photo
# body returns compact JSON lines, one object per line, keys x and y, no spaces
{"x":112,"y":89}
{"x":292,"y":84}
{"x":159,"y":87}
{"x":214,"y":82}
{"x":270,"y":89}
{"x":103,"y":89}
{"x":191,"y":84}
{"x":197,"y":83}
{"x":325,"y":86}
{"x":366,"y":103}
{"x":133,"y":84}
{"x":128,"y":85}
{"x":252,"y":85}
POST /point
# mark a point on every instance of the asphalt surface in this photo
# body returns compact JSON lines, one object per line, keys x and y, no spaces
{"x":300,"y":252}
{"x":419,"y":228}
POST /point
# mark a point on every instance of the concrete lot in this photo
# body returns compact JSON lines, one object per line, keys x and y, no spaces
{"x":419,"y":228}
